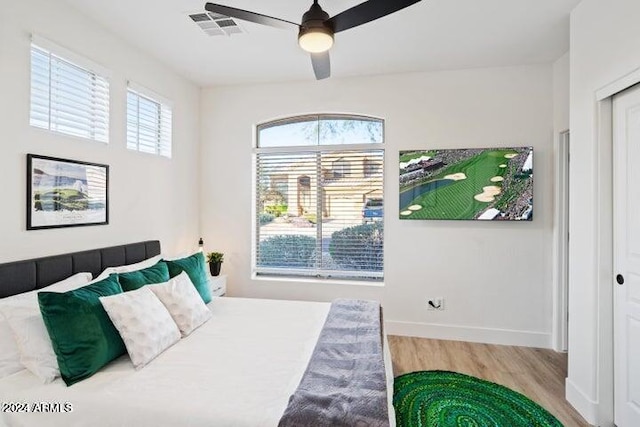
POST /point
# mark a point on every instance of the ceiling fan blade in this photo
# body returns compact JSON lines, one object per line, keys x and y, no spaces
{"x":321,"y":65}
{"x":246,"y":15}
{"x":367,"y":12}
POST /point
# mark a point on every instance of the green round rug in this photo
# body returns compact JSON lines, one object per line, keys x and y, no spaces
{"x":450,"y":399}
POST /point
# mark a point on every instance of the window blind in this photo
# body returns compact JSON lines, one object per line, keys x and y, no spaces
{"x":68,"y":98}
{"x":319,"y":211}
{"x":149,"y":124}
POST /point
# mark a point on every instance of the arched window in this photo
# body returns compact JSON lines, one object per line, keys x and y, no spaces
{"x":319,"y":197}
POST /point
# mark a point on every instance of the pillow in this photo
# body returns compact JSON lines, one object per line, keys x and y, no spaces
{"x":83,"y":337}
{"x":159,"y":273}
{"x":180,"y":255}
{"x":9,"y":354}
{"x":24,"y":341}
{"x":145,"y":325}
{"x":194,"y":266}
{"x":183,"y":302}
{"x":129,"y":267}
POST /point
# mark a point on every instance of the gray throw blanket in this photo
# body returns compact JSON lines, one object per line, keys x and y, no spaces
{"x":345,"y":381}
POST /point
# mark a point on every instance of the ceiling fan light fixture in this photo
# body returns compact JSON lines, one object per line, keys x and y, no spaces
{"x":315,"y":40}
{"x":317,"y":28}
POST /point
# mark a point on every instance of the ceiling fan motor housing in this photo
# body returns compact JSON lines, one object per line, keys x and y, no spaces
{"x":315,"y":21}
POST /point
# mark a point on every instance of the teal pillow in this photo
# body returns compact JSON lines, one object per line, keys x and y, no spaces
{"x":131,"y":281}
{"x":194,"y":265}
{"x":82,"y":335}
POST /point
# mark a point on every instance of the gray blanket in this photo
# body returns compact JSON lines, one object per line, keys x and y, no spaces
{"x":345,"y":381}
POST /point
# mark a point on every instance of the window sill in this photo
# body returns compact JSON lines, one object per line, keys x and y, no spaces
{"x":316,"y":281}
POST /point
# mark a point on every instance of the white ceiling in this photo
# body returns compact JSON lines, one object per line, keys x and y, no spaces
{"x":430,"y":35}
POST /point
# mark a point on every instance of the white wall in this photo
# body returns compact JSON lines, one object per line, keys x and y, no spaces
{"x":561,"y":81}
{"x":495,"y":277}
{"x":605,"y":41}
{"x":149,"y":197}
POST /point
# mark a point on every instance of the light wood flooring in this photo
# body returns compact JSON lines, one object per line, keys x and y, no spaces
{"x":536,"y":373}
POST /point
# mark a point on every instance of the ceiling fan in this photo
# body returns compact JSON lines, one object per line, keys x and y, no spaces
{"x":315,"y":33}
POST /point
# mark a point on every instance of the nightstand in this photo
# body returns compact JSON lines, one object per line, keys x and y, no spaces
{"x":218,"y":285}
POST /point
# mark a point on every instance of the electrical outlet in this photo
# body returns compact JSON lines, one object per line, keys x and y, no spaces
{"x":435,"y":303}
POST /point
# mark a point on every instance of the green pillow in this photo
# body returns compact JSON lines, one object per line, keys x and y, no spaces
{"x":158,"y":273}
{"x":82,"y":335}
{"x":194,"y":265}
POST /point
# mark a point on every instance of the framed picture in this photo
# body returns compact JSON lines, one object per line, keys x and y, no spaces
{"x":66,"y":193}
{"x":473,"y":184}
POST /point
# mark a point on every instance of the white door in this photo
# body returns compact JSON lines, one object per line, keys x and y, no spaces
{"x":626,"y":199}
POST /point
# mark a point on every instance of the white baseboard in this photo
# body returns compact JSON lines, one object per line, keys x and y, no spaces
{"x":469,"y":333}
{"x":581,"y":402}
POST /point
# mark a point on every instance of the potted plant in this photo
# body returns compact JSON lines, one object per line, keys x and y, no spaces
{"x":215,"y":262}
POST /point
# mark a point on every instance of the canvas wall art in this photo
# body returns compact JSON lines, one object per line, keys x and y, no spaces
{"x":66,"y":193}
{"x":467,"y":184}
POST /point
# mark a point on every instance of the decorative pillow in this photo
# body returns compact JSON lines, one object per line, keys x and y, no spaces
{"x":183,"y":302}
{"x":143,"y":322}
{"x":159,"y":273}
{"x":150,"y":262}
{"x":83,"y":337}
{"x":194,"y":266}
{"x":24,"y":341}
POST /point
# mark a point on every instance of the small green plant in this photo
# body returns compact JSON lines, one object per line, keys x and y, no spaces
{"x":265,"y":218}
{"x":276,"y":210}
{"x":312,"y":218}
{"x":213,"y":257}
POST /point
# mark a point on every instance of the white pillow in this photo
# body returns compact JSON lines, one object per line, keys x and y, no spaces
{"x":183,"y":302}
{"x":9,"y":354}
{"x":129,"y":267}
{"x":23,"y":321}
{"x":183,"y":254}
{"x":145,"y":325}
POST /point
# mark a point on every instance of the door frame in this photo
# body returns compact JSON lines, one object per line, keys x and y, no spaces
{"x":620,"y":150}
{"x":603,"y":207}
{"x":560,"y":322}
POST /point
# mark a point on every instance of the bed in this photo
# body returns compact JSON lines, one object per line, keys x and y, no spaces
{"x":246,"y":366}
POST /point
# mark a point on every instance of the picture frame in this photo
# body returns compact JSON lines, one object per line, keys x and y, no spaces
{"x":66,"y":193}
{"x":490,"y":184}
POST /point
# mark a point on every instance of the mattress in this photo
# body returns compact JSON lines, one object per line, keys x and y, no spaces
{"x":239,"y":369}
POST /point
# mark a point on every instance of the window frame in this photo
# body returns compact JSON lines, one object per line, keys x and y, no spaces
{"x":98,"y":129}
{"x":165,"y":107}
{"x":305,"y":275}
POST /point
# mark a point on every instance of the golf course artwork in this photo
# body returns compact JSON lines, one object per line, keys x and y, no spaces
{"x":467,"y":184}
{"x":65,"y":193}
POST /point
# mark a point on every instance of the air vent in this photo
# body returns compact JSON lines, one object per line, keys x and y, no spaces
{"x":214,"y":24}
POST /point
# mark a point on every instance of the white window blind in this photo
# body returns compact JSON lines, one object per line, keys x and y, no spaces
{"x":66,"y":97}
{"x":149,"y":122}
{"x":319,"y":199}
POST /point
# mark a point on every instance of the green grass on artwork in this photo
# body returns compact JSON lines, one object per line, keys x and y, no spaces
{"x":61,"y":199}
{"x":456,"y":201}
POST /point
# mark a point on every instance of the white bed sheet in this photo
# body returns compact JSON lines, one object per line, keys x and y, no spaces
{"x":237,"y":370}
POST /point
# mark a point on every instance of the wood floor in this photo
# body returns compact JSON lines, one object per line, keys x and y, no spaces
{"x":536,"y":373}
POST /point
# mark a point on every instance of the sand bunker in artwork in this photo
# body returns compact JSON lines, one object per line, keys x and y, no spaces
{"x":488,"y":194}
{"x":414,"y":207}
{"x":497,"y":179}
{"x":406,"y":213}
{"x":510,"y":155}
{"x":456,"y":176}
{"x":502,"y":166}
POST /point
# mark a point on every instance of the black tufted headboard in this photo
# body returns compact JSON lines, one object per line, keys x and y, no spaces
{"x":23,"y":276}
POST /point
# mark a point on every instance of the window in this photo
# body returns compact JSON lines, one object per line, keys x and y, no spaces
{"x":68,"y":93}
{"x":148,"y":122}
{"x":316,"y":178}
